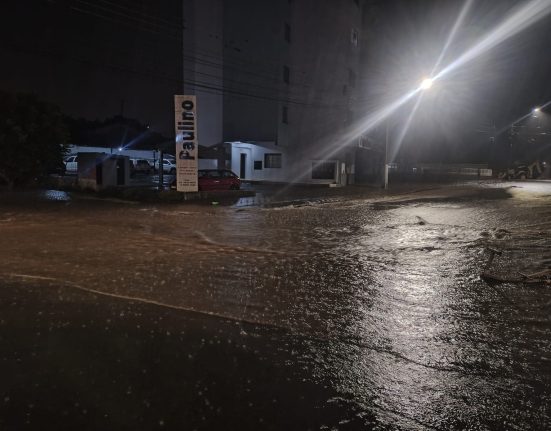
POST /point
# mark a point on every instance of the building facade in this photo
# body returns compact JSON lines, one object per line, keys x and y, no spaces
{"x":276,"y":78}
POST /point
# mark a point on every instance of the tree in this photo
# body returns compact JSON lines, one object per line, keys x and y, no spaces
{"x":33,"y":138}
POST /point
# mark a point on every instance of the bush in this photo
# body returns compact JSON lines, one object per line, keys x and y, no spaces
{"x":33,"y":138}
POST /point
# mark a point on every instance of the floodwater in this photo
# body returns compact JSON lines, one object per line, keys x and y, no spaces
{"x":380,"y":299}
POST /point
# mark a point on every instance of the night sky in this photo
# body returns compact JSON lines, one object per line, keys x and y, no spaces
{"x":503,"y":84}
{"x":97,"y":59}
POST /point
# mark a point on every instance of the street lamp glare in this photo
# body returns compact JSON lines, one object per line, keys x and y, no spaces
{"x":426,"y":84}
{"x":536,"y":110}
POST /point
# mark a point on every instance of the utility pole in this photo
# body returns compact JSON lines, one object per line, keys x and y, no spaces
{"x":161,"y":170}
{"x":511,"y":134}
{"x":386,"y":156}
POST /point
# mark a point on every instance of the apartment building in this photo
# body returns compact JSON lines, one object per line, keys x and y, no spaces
{"x":277,"y":81}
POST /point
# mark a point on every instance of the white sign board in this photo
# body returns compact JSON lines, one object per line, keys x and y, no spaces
{"x":187,"y":150}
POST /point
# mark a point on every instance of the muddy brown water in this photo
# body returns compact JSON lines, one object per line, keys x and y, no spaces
{"x":383,"y":296}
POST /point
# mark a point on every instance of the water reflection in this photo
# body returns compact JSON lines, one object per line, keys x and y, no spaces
{"x":385,"y":303}
{"x":422,"y":346}
{"x":401,"y":360}
{"x":56,"y":195}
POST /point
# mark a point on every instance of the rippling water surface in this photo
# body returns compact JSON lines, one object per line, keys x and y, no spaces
{"x":384,"y":296}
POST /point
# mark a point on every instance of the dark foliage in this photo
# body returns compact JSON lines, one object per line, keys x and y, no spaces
{"x":33,"y":138}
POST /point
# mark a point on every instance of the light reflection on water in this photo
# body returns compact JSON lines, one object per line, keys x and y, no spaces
{"x":421,"y":358}
{"x":386,"y":302}
{"x":407,"y":318}
{"x":402,"y":320}
{"x":56,"y":195}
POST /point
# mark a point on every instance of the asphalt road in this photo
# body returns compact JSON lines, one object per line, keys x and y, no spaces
{"x":74,"y":360}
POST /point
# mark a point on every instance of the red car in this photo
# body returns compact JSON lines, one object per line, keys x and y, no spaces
{"x":216,"y":179}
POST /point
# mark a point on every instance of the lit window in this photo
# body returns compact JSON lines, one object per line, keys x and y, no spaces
{"x":272,"y":160}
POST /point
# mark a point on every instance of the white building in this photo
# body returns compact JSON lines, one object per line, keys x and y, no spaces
{"x":267,"y":162}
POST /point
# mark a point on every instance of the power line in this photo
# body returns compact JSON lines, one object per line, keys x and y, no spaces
{"x":228,"y":68}
{"x":224,"y":90}
{"x":207,"y":63}
{"x":144,"y":20}
{"x":113,"y":11}
{"x":52,"y":53}
{"x":175,"y":24}
{"x":239,"y":83}
{"x":199,"y":84}
{"x":176,"y":35}
{"x":195,"y":58}
{"x":106,"y":10}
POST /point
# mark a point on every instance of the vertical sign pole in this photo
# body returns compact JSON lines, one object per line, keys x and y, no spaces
{"x":385,"y":173}
{"x":187,"y":147}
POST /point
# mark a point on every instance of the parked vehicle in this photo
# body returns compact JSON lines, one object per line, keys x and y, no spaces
{"x":140,"y":166}
{"x":523,"y":172}
{"x":169,"y":166}
{"x":218,"y":179}
{"x":531,"y":171}
{"x":215,"y":179}
{"x":71,"y":164}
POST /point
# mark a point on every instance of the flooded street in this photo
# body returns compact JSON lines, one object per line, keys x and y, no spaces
{"x":377,"y":303}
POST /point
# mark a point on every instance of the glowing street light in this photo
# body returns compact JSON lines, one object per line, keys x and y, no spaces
{"x":426,"y":84}
{"x":536,"y":110}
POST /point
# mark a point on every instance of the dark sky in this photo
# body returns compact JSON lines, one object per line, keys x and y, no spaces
{"x":94,"y":57}
{"x":502,"y":84}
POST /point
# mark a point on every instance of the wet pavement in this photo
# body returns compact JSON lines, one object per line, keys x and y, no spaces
{"x":358,"y":311}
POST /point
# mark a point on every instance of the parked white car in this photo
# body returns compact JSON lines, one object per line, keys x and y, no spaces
{"x":169,"y":166}
{"x":71,"y":164}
